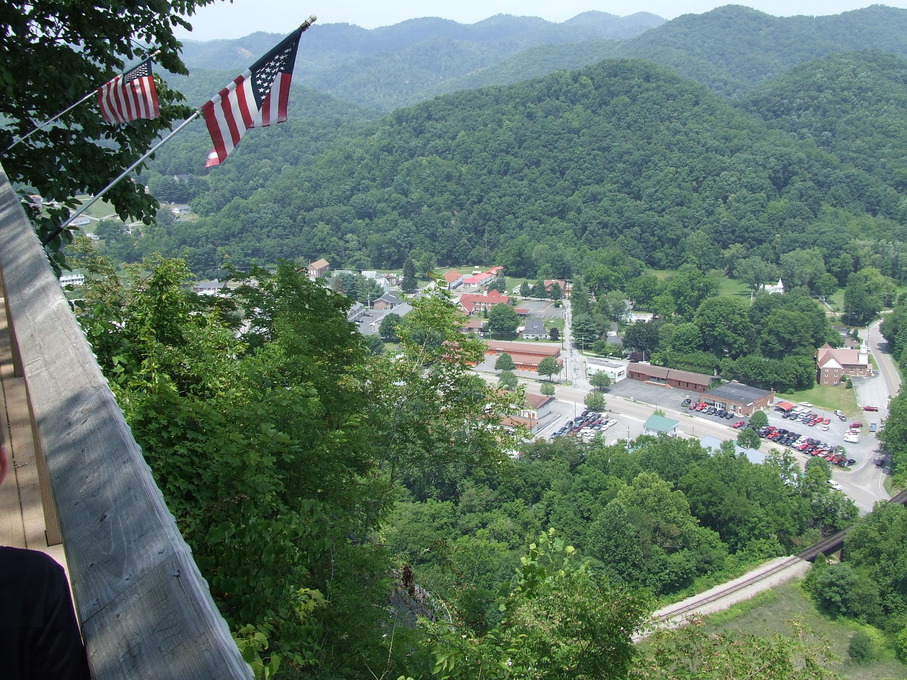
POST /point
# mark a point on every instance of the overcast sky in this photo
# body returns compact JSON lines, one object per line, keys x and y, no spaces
{"x":242,"y":17}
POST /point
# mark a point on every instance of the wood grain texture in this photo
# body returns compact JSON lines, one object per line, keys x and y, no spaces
{"x":122,"y":544}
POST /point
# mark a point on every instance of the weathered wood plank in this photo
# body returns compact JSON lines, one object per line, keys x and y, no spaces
{"x":121,"y":541}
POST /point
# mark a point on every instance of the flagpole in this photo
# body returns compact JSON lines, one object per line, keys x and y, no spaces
{"x":51,"y":120}
{"x":85,"y":206}
{"x":100,"y":194}
{"x":64,"y":112}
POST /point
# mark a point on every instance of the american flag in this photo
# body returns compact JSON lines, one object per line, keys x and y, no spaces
{"x":258,"y":97}
{"x":130,"y":96}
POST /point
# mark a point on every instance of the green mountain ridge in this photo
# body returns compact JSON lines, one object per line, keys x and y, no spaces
{"x":623,"y":155}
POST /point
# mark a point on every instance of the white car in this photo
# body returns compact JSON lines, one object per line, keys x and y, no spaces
{"x":835,"y":485}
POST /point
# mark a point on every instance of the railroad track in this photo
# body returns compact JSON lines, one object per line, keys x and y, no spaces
{"x":734,"y":587}
{"x":827,"y":545}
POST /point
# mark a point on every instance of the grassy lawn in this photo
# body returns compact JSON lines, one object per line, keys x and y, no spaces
{"x":728,"y":286}
{"x":100,"y":209}
{"x":828,"y":397}
{"x":772,"y":612}
{"x":836,"y":301}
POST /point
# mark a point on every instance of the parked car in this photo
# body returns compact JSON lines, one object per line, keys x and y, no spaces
{"x":855,"y":426}
{"x":873,"y":427}
{"x":870,"y":408}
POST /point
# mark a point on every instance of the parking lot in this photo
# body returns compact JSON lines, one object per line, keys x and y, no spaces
{"x":831,"y":440}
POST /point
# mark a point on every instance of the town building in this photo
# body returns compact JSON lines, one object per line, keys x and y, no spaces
{"x":739,"y":398}
{"x":616,"y":370}
{"x":482,"y":302}
{"x":526,"y":355}
{"x":387,"y":301}
{"x":482,"y":278}
{"x":659,"y":425}
{"x":773,"y":288}
{"x":670,"y":377}
{"x":453,"y":279}
{"x":318,"y":269}
{"x":832,"y":363}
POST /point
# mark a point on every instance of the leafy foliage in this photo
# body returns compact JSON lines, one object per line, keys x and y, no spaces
{"x":54,"y":54}
{"x":278,"y":450}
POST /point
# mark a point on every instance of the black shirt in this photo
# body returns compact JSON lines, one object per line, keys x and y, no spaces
{"x":39,"y":636}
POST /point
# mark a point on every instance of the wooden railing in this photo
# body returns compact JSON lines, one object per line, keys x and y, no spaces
{"x":145,"y":609}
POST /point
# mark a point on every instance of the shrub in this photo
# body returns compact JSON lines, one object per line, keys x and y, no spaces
{"x":861,"y":648}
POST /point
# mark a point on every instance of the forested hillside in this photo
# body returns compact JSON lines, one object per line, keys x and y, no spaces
{"x":850,"y":104}
{"x":622,"y":155}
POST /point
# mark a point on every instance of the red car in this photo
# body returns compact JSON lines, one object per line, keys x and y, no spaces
{"x":738,"y":424}
{"x":870,"y":408}
{"x":856,"y":425}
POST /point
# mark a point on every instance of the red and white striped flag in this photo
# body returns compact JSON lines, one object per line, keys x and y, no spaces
{"x":130,"y":96}
{"x":258,"y":97}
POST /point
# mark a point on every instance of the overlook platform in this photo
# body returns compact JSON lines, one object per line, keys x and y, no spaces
{"x":80,"y":485}
{"x":27,"y":515}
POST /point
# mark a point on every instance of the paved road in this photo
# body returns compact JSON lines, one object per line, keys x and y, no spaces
{"x":891,"y":377}
{"x":574,"y":362}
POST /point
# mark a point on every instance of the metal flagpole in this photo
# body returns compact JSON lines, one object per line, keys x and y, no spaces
{"x":66,"y":110}
{"x":48,"y":122}
{"x":100,"y":194}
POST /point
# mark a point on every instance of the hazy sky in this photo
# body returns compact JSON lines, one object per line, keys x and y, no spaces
{"x":242,"y":17}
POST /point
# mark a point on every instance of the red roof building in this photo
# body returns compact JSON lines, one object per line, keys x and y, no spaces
{"x":481,"y":302}
{"x":484,"y":277}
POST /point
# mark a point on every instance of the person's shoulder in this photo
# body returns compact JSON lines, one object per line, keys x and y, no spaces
{"x":27,"y":563}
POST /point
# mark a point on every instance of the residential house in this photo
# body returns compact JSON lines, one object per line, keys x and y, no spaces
{"x":535,"y":409}
{"x":832,"y":364}
{"x":565,"y":286}
{"x":534,"y":330}
{"x":473,"y":326}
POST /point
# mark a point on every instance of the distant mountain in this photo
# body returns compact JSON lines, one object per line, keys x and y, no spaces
{"x":731,"y":49}
{"x":388,"y":67}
